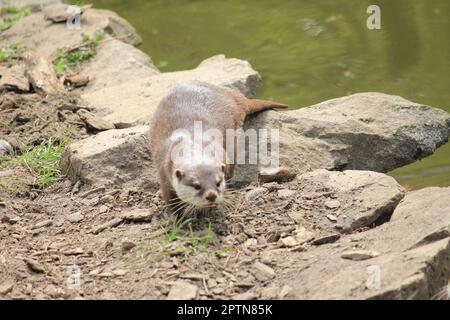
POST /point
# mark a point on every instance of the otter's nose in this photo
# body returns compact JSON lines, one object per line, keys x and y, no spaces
{"x":211,"y":196}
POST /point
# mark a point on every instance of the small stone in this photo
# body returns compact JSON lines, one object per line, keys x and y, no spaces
{"x":5,"y":148}
{"x":92,"y":193}
{"x":218,"y":291}
{"x":74,"y":252}
{"x":261,"y":240}
{"x":263,"y":272}
{"x":182,"y":291}
{"x":246,"y":296}
{"x":106,"y":199}
{"x":6,"y":287}
{"x":285,"y":193}
{"x":279,"y":174}
{"x":7,"y":218}
{"x":75,"y":217}
{"x":127,"y":245}
{"x":358,"y":255}
{"x":303,"y":235}
{"x":94,"y":272}
{"x":288,"y":242}
{"x":327,"y":239}
{"x":332,"y":204}
{"x":110,"y":224}
{"x":35,"y":266}
{"x":41,"y":224}
{"x":138,"y":215}
{"x":77,"y":80}
{"x":254,"y":194}
{"x":212,"y":283}
{"x":120,"y":272}
{"x":106,"y":274}
{"x":251,"y":243}
{"x":332,"y":217}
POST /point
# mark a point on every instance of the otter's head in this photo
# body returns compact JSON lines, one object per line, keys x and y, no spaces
{"x":201,"y":185}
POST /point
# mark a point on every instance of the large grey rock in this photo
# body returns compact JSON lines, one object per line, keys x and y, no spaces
{"x":365,"y":131}
{"x":115,"y":63}
{"x":133,"y":102}
{"x":45,"y":37}
{"x":413,"y":260}
{"x":360,"y":198}
{"x":117,"y":157}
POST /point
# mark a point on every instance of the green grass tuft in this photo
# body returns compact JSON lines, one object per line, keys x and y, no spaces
{"x":11,"y":52}
{"x":42,"y":161}
{"x":71,"y":59}
{"x":13,"y":14}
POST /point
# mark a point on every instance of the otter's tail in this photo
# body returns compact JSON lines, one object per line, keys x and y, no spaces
{"x":256,"y":105}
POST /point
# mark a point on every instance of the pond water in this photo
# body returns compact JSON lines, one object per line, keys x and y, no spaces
{"x":310,"y":51}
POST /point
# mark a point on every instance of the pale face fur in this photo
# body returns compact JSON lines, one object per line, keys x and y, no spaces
{"x":201,"y":185}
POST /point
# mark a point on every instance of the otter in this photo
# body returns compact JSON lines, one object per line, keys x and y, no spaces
{"x":197,"y":180}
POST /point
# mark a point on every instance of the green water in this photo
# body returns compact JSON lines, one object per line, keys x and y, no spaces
{"x":308,"y":51}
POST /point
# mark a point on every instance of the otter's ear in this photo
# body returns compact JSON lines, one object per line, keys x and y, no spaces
{"x":179,"y":174}
{"x":223,"y":167}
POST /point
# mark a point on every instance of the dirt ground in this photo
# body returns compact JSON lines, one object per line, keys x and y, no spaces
{"x":120,"y":242}
{"x":71,"y":241}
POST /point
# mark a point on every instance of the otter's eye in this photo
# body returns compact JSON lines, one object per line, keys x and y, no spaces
{"x":197,"y":186}
{"x":218,"y":183}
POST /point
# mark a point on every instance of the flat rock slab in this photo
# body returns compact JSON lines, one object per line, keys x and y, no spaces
{"x":13,"y":78}
{"x":412,"y":259}
{"x":114,"y":157}
{"x":134,"y":102}
{"x":115,"y":63}
{"x":45,"y":37}
{"x":356,"y":198}
{"x":364,"y":131}
{"x":182,"y":290}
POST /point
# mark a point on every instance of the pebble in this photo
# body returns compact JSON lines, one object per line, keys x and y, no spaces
{"x":106,"y":199}
{"x":138,"y":215}
{"x":327,"y":239}
{"x":127,"y":245}
{"x":254,"y":194}
{"x":246,"y":296}
{"x":120,"y":272}
{"x":41,"y":224}
{"x":35,"y":266}
{"x":331,"y":217}
{"x":285,"y":193}
{"x":218,"y":290}
{"x":358,"y":255}
{"x":212,"y":283}
{"x":279,"y":174}
{"x":332,"y":204}
{"x":110,"y":224}
{"x":75,"y":217}
{"x":5,"y":148}
{"x":74,"y":252}
{"x":182,"y":291}
{"x":6,"y":287}
{"x":287,"y":242}
{"x":303,"y":235}
{"x":10,"y":219}
{"x":251,"y":243}
{"x":91,"y":193}
{"x":263,"y":272}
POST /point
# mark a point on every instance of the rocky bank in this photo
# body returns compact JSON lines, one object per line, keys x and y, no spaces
{"x":330,"y":225}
